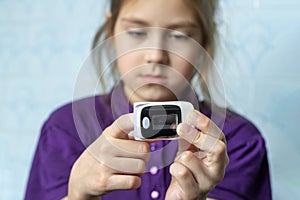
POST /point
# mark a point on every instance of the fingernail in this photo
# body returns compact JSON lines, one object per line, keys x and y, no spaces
{"x":193,"y":116}
{"x":184,"y":128}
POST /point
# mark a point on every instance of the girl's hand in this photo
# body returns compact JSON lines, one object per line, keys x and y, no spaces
{"x":195,"y":173}
{"x":112,"y":162}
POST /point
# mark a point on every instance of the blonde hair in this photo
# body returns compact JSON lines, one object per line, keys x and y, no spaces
{"x":204,"y":10}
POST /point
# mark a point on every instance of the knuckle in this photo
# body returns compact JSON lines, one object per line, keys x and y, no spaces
{"x":133,"y":182}
{"x":205,"y":122}
{"x":197,"y":138}
{"x":220,"y":148}
{"x":105,"y":147}
{"x":100,"y":184}
{"x":183,"y":173}
{"x":141,"y":166}
{"x":143,"y":148}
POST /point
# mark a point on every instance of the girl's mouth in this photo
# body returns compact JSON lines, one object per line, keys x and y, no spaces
{"x":153,"y":79}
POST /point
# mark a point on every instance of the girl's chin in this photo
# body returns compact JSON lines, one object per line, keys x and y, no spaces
{"x":150,"y":92}
{"x":158,"y":93}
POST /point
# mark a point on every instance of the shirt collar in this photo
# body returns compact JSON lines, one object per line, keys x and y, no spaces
{"x":120,"y":105}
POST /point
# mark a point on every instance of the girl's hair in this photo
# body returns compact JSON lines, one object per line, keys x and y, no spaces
{"x":205,"y":11}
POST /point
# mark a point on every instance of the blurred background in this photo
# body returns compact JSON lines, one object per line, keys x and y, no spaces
{"x":44,"y":43}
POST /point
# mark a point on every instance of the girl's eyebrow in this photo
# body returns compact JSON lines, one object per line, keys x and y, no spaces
{"x":171,"y":25}
{"x":135,"y":21}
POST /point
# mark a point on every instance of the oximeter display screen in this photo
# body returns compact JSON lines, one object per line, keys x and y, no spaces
{"x":164,"y":121}
{"x":160,"y":121}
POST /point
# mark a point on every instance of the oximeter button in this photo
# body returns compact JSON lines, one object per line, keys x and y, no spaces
{"x":146,"y":123}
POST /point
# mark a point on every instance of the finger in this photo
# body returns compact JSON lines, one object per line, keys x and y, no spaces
{"x":197,"y":168}
{"x":195,"y":137}
{"x":184,"y":145}
{"x":208,"y":169}
{"x":121,"y":127}
{"x":203,"y":123}
{"x":129,"y":149}
{"x":123,"y":182}
{"x":126,"y":165}
{"x":185,"y":179}
{"x":217,"y":159}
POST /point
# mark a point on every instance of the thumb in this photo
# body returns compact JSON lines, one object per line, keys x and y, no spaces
{"x":121,"y":127}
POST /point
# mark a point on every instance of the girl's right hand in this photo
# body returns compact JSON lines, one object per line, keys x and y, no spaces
{"x":112,"y":162}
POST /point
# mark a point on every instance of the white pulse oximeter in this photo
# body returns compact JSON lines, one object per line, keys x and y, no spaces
{"x":159,"y":120}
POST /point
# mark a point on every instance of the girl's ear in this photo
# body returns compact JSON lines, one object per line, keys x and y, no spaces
{"x":108,"y":16}
{"x":109,"y":32}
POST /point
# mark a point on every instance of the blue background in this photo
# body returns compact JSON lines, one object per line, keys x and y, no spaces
{"x":44,"y":43}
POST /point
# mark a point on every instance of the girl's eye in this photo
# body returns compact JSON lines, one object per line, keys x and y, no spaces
{"x":179,"y":35}
{"x":136,"y":32}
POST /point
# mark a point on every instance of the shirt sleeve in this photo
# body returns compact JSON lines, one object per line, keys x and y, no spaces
{"x":56,"y":152}
{"x":247,"y":175}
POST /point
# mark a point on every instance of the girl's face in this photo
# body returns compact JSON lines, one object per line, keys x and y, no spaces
{"x":149,"y":69}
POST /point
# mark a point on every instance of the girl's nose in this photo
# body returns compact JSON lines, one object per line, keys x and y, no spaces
{"x":157,"y":55}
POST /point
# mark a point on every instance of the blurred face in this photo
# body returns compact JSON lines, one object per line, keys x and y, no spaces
{"x":154,"y":63}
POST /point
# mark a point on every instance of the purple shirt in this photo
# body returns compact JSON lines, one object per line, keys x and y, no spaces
{"x":74,"y":126}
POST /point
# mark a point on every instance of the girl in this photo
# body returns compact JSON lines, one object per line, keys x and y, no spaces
{"x":75,"y":159}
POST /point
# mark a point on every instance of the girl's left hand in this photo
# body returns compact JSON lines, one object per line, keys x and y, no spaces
{"x":195,"y":173}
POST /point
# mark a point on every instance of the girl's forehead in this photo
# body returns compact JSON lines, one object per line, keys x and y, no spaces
{"x":158,"y":12}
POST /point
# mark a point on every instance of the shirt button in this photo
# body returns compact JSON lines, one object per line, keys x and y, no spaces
{"x":153,"y":170}
{"x":154,"y":194}
{"x":152,"y":147}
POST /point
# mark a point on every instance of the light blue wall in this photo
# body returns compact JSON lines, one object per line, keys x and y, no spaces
{"x":43,"y":44}
{"x":264,"y":38}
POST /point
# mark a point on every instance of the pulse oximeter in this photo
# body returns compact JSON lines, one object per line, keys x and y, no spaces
{"x":159,"y":120}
